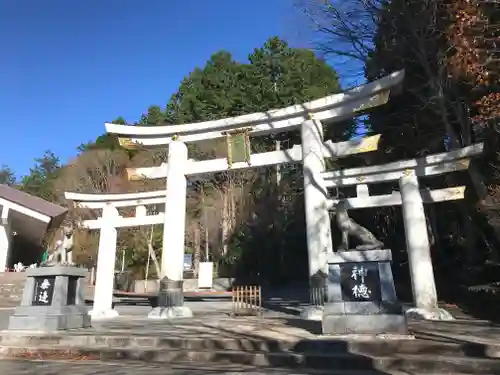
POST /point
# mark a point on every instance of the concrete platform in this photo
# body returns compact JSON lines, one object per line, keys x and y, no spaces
{"x":214,"y":343}
{"x":469,"y":347}
{"x":365,"y":324}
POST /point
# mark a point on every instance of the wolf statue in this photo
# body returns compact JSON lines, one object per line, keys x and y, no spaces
{"x":63,"y":253}
{"x":348,"y":227}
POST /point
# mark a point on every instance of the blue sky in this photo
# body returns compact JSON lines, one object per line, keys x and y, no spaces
{"x":69,"y":66}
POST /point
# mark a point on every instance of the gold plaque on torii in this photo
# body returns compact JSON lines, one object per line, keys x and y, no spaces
{"x":375,"y":100}
{"x":369,"y":144}
{"x":128,"y":144}
{"x":238,"y":146}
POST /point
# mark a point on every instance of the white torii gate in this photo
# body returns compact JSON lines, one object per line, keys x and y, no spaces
{"x":107,"y":224}
{"x":411,"y":199}
{"x":311,"y":153}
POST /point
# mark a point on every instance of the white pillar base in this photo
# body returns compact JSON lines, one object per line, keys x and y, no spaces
{"x":425,"y":314}
{"x":313,"y":313}
{"x":163,"y":313}
{"x":103,"y":314}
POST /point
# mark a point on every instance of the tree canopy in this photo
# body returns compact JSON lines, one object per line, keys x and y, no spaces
{"x":7,"y":176}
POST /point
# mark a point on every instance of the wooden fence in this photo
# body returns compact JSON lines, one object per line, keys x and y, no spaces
{"x":247,"y":300}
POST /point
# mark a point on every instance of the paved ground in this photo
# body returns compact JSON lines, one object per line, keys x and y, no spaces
{"x":212,"y":320}
{"x":99,"y":368}
{"x":127,"y":368}
{"x":200,"y":308}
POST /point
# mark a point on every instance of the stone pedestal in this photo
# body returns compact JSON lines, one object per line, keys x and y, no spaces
{"x":53,"y":299}
{"x":361,"y":298}
{"x":170,"y":301}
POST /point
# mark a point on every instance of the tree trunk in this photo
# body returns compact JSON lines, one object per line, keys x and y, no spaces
{"x":278,"y":167}
{"x":207,"y":248}
{"x":197,"y":250}
{"x":205,"y":222}
{"x":430,"y":218}
{"x":225,"y":221}
{"x":152,"y":254}
{"x":470,"y":235}
{"x":232,"y":207}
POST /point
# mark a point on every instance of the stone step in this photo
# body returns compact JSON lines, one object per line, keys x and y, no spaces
{"x":11,"y":293}
{"x":14,"y":292}
{"x":124,"y":340}
{"x":411,"y":363}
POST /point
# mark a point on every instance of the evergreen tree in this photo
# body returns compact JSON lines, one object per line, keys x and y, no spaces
{"x":154,"y":116}
{"x":106,"y":141}
{"x":7,"y":176}
{"x":40,"y":181}
{"x":275,"y":76}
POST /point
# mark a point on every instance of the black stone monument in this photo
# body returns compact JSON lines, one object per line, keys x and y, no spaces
{"x":361,"y":298}
{"x":52,"y":300}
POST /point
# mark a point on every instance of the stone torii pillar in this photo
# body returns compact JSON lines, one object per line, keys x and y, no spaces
{"x":419,"y":253}
{"x":319,"y":237}
{"x":106,"y":256}
{"x":171,"y":297}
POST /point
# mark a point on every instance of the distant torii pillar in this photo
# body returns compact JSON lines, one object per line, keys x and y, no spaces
{"x":103,"y":295}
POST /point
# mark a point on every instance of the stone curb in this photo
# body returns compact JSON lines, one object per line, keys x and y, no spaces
{"x":346,"y":361}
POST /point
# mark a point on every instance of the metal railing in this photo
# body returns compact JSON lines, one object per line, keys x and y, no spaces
{"x":317,"y":296}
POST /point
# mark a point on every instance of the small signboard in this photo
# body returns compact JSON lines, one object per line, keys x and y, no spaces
{"x":188,"y":262}
{"x":44,"y":291}
{"x":205,"y":275}
{"x":360,"y":282}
